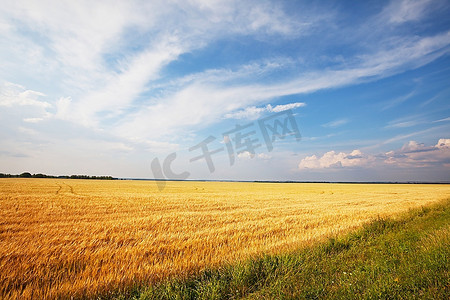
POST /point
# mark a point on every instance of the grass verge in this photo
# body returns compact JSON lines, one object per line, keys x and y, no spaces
{"x":402,"y":258}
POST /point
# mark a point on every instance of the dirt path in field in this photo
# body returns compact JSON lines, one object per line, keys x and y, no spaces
{"x":70,"y":187}
{"x":61,"y":191}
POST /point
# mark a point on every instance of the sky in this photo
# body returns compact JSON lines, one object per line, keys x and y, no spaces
{"x":226,"y":90}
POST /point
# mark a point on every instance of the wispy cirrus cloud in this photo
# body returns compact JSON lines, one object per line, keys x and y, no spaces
{"x":402,"y":124}
{"x":407,"y":10}
{"x":407,"y":121}
{"x":253,"y":112}
{"x":336,"y":123}
{"x":442,"y":120}
{"x":110,"y":93}
{"x":90,"y":49}
{"x":211,"y":101}
{"x":394,"y":102}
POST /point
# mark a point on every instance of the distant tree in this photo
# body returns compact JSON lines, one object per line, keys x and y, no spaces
{"x":39,"y":175}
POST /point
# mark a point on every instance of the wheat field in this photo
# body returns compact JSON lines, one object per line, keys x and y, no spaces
{"x":87,"y":238}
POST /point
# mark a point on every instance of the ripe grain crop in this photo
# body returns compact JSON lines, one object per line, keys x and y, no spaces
{"x":85,"y":238}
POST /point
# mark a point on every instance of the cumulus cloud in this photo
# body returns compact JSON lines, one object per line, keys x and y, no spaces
{"x":443,"y":144}
{"x":248,"y":155}
{"x":412,"y":154}
{"x":264,"y":156}
{"x":333,"y":159}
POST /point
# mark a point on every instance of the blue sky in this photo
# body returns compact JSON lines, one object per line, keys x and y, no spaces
{"x":103,"y":89}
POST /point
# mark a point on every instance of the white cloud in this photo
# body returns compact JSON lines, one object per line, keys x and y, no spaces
{"x":207,"y":103}
{"x":247,"y":72}
{"x":407,"y":121}
{"x":245,"y":155}
{"x":122,"y":89}
{"x":407,"y":10}
{"x":415,"y":154}
{"x":412,"y":146}
{"x":81,"y":35}
{"x":335,"y":123}
{"x":253,"y":112}
{"x":332,"y":159}
{"x":250,"y":113}
{"x":406,"y":55}
{"x":442,"y":120}
{"x":269,"y":18}
{"x":402,"y":124}
{"x":398,"y":100}
{"x":443,"y":144}
{"x":264,"y":156}
{"x":26,"y":104}
{"x":63,"y":106}
{"x":88,"y":42}
{"x":284,"y":107}
{"x":33,"y":120}
{"x":28,"y":131}
{"x":412,"y":155}
{"x":14,"y":94}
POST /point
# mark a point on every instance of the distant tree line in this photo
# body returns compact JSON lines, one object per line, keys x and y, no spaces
{"x":39,"y":175}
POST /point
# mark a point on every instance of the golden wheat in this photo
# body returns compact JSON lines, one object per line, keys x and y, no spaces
{"x":82,"y":238}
